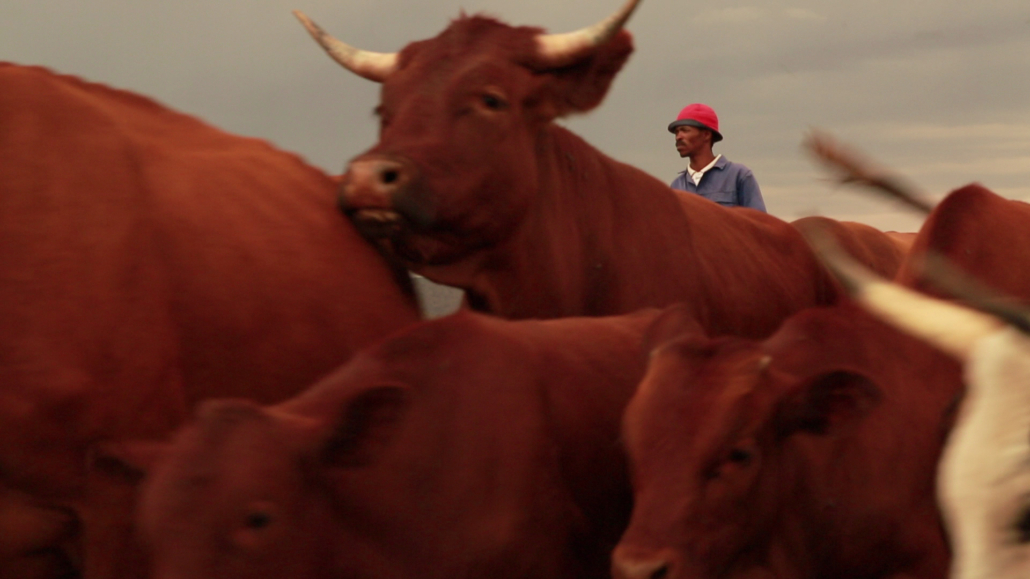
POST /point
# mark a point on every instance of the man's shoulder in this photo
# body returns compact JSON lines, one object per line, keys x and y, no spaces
{"x":680,"y":182}
{"x":732,"y":167}
{"x":727,"y":164}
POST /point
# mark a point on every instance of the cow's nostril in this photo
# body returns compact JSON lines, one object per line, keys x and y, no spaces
{"x":648,"y":567}
{"x":390,"y":176}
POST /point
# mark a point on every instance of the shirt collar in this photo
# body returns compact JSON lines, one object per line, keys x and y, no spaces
{"x":720,"y":162}
{"x":696,"y":175}
{"x":714,"y":163}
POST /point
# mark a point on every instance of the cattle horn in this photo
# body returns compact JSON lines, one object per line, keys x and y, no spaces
{"x":375,"y":66}
{"x":557,"y":50}
{"x":853,"y":167}
{"x":948,"y":327}
{"x":946,"y":277}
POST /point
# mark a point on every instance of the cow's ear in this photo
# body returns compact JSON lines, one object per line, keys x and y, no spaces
{"x":114,"y":472}
{"x":579,"y":87}
{"x":674,"y":321}
{"x":128,"y":460}
{"x":365,"y":425}
{"x":827,"y":403}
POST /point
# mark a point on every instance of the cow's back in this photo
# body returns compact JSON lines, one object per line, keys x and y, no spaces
{"x":903,"y":240}
{"x":748,"y":270}
{"x":979,"y":231}
{"x":150,"y":260}
{"x":882,"y":252}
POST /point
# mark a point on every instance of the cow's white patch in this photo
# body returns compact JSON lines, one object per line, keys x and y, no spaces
{"x":984,"y":476}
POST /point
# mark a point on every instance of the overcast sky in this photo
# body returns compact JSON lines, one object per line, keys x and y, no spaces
{"x":938,"y":89}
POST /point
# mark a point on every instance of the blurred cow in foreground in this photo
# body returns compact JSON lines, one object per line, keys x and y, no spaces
{"x":809,"y":454}
{"x":813,"y":453}
{"x":149,"y":261}
{"x":976,"y":230}
{"x":984,"y":486}
{"x":465,"y":446}
{"x":984,"y":479}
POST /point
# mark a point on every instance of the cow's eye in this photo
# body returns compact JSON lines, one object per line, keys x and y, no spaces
{"x":1023,"y":526}
{"x":383,"y":116}
{"x":256,"y":525}
{"x":493,"y":102}
{"x":259,"y":515}
{"x":258,"y":520}
{"x":740,"y":456}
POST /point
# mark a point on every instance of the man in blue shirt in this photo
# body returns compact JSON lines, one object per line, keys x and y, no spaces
{"x":710,"y":176}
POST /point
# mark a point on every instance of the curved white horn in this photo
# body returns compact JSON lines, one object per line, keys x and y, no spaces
{"x":946,"y":326}
{"x":559,"y":50}
{"x":375,"y":66}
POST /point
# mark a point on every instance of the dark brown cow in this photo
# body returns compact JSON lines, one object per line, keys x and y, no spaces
{"x":466,"y":446}
{"x":811,"y":454}
{"x":149,"y":261}
{"x":474,"y":186}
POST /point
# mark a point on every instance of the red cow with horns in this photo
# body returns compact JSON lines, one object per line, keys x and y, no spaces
{"x":473,"y":186}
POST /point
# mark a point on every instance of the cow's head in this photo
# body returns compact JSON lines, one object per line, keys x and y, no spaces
{"x":246,"y":491}
{"x":456,"y":166}
{"x":341,"y":480}
{"x":709,"y":433}
{"x":983,"y":485}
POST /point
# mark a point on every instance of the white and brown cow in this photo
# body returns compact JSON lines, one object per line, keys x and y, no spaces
{"x":984,"y":473}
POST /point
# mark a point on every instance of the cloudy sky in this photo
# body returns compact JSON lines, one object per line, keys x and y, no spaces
{"x":938,"y":89}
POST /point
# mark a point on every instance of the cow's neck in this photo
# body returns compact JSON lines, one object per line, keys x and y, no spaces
{"x":788,"y":552}
{"x":595,"y":229}
{"x":821,"y":523}
{"x":605,"y":238}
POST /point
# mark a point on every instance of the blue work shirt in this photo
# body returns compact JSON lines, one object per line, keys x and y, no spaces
{"x":726,"y":183}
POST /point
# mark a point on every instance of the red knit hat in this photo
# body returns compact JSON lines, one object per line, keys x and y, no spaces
{"x":700,"y":116}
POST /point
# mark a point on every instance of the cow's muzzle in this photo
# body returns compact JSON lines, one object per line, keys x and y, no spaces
{"x":630,"y":563}
{"x":379,"y":194}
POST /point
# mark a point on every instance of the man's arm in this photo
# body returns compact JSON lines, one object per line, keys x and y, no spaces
{"x":748,"y":193}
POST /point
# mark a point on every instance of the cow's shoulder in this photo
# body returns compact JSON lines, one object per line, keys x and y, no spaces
{"x":978,"y":231}
{"x":966,"y":209}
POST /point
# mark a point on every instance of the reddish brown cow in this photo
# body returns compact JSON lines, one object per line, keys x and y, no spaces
{"x":982,"y":478}
{"x":466,"y":446}
{"x":472,"y":185}
{"x":904,"y":240}
{"x":149,"y":261}
{"x":820,"y":461}
{"x":972,"y":227}
{"x":879,"y":251}
{"x":981,"y":232}
{"x":811,"y":454}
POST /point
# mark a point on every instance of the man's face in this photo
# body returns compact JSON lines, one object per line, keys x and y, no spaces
{"x":690,"y":140}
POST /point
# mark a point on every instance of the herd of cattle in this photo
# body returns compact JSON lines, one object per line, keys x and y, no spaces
{"x":207,"y":372}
